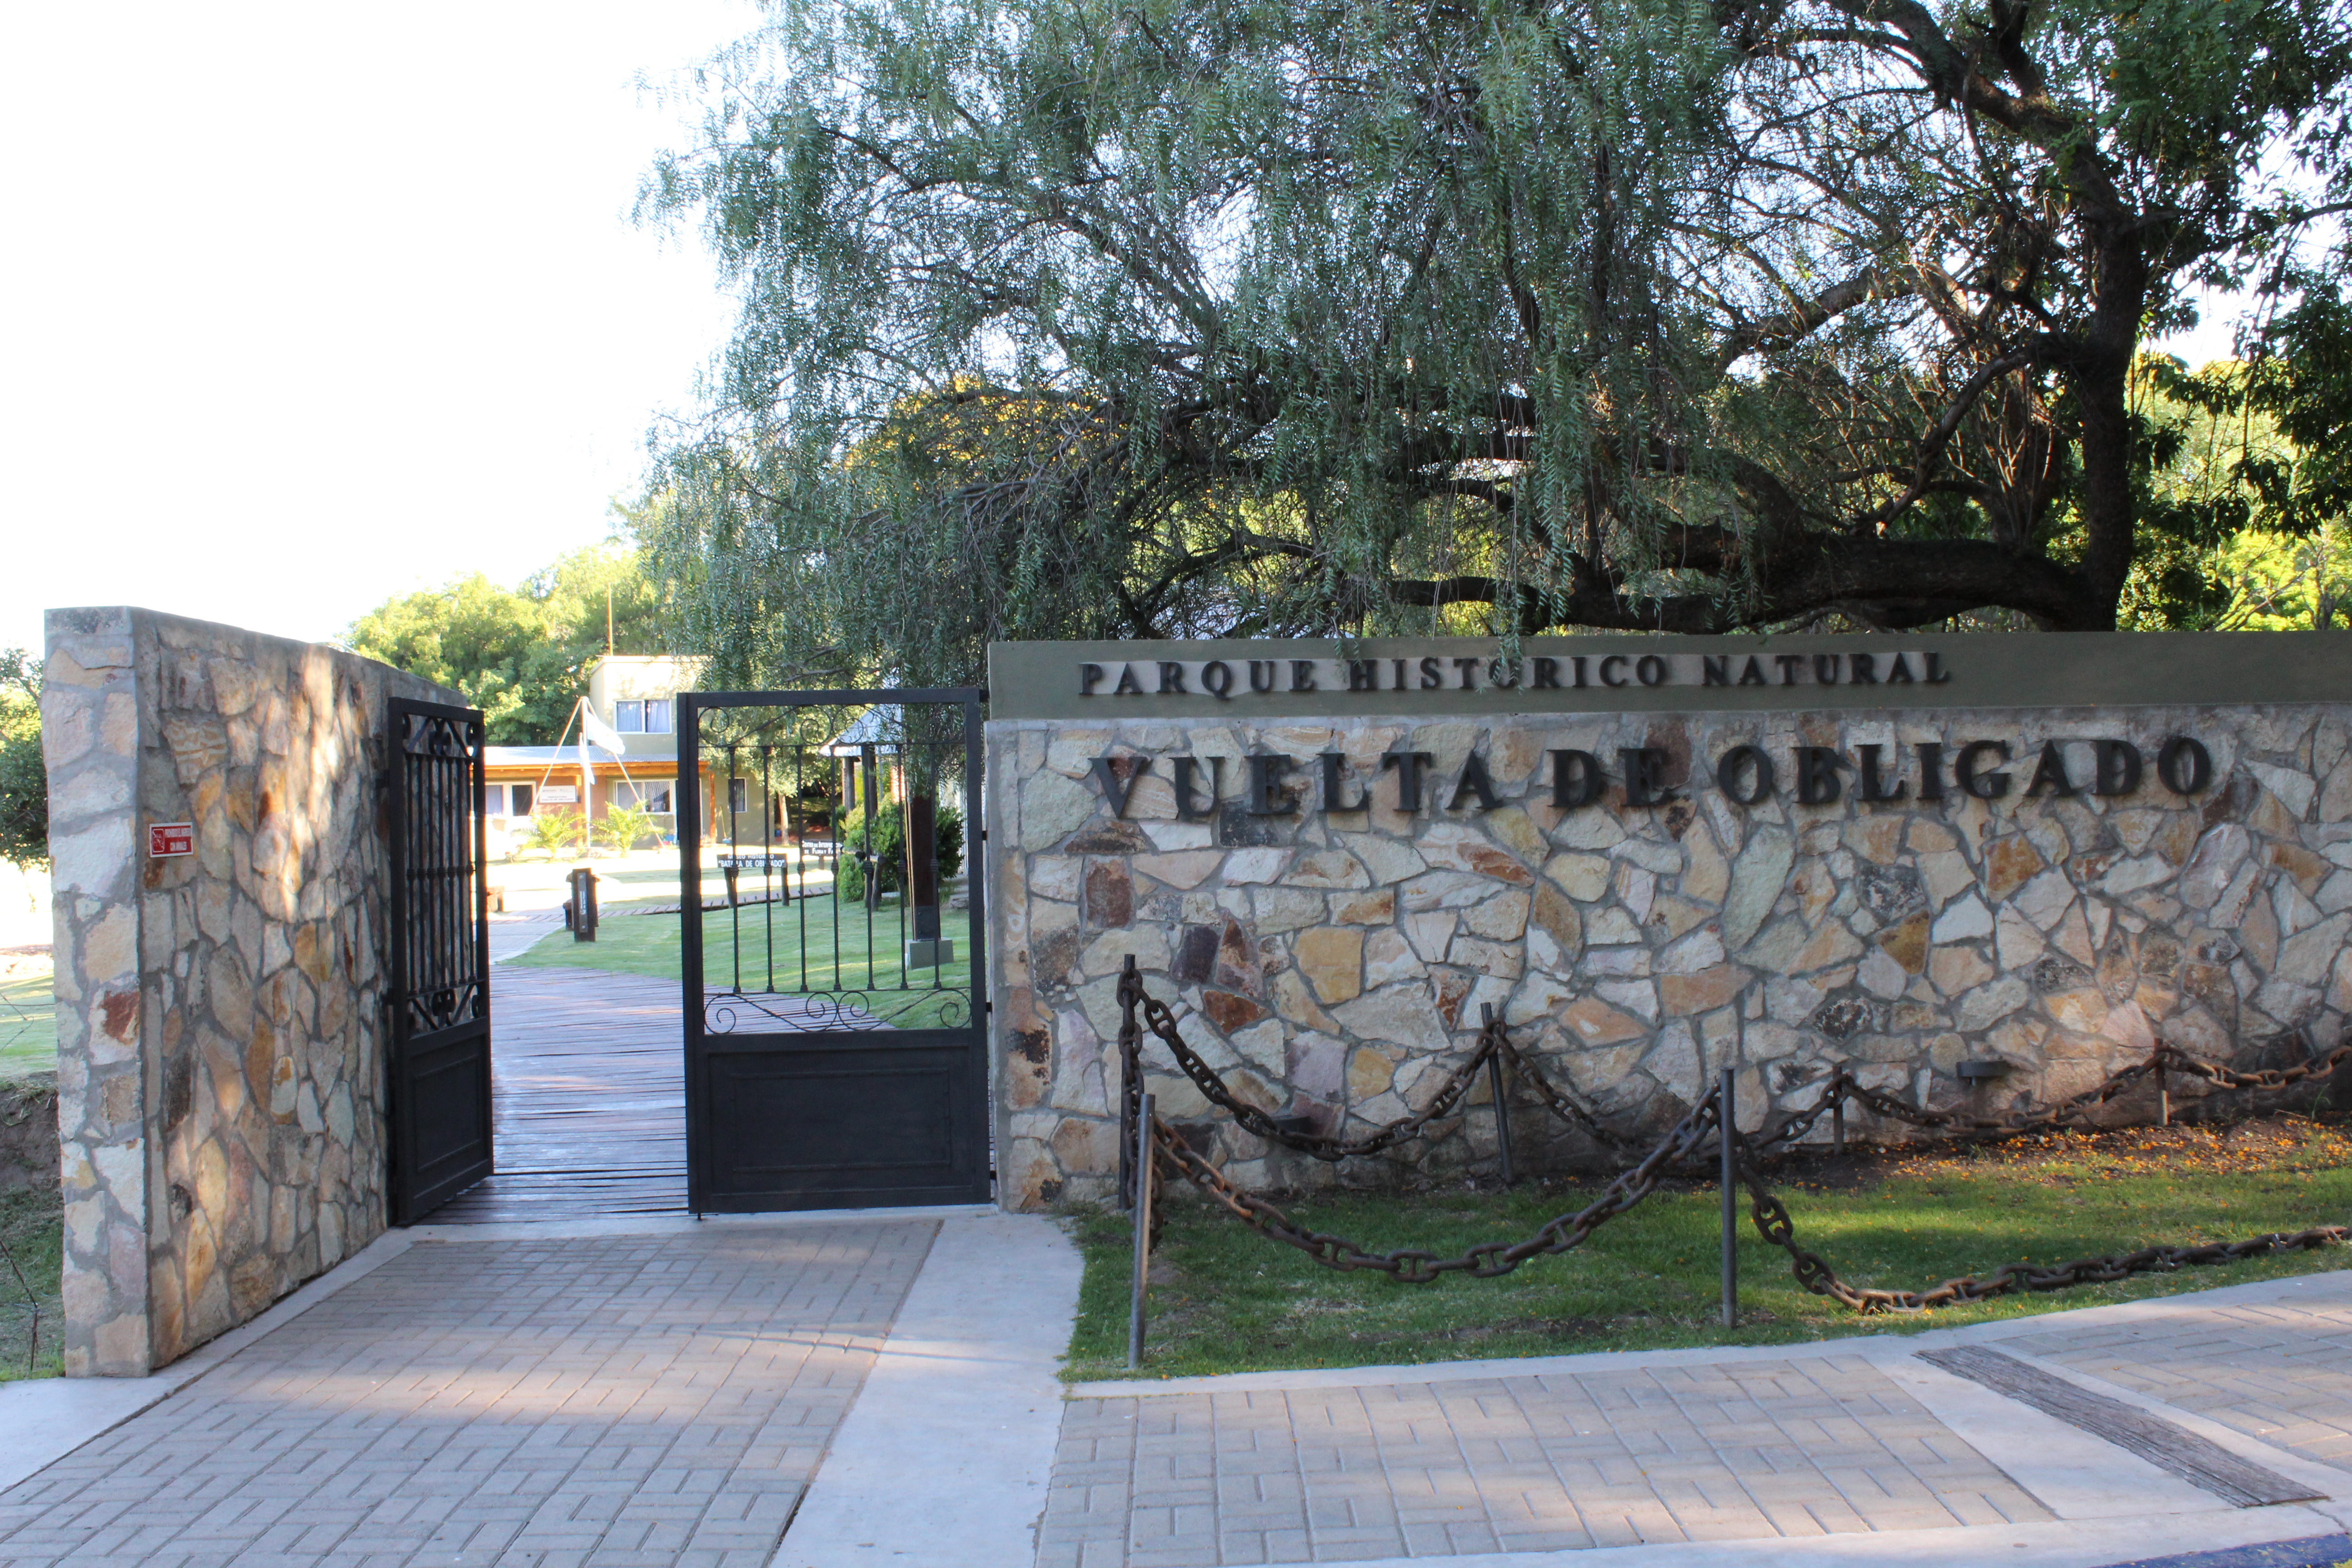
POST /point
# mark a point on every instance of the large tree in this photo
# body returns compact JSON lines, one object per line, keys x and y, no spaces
{"x":1134,"y":318}
{"x":520,"y":654}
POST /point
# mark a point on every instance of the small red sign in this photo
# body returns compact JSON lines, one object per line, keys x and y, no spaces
{"x":171,"y":838}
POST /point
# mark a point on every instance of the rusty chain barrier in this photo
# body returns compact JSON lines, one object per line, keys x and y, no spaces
{"x":1681,"y":1146}
{"x":1139,"y":1011}
{"x":1410,"y":1266}
{"x":2165,"y":1059}
{"x":1814,"y":1273}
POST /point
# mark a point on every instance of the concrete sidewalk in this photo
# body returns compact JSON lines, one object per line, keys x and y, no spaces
{"x":1848,"y":1451}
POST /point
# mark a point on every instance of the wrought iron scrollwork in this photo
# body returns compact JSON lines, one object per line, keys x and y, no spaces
{"x":832,"y":1012}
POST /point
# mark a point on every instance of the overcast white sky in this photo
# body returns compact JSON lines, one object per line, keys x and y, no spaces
{"x":308,"y":303}
{"x":305,"y":304}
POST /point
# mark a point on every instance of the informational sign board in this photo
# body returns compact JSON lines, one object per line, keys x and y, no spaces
{"x":171,"y":838}
{"x":1458,"y":677}
{"x":560,"y":794}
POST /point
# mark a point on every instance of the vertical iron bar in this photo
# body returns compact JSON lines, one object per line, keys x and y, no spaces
{"x":1726,"y":1131}
{"x":905,"y":830}
{"x":475,"y":759}
{"x":870,"y":865}
{"x":689,"y":908}
{"x":1502,"y":1110}
{"x":767,"y":859}
{"x":2163,"y":1100}
{"x":848,"y":798}
{"x":734,"y":854}
{"x":975,"y":866}
{"x":1837,"y":1125}
{"x":801,"y":864}
{"x":397,"y":1042}
{"x":1142,"y":1215}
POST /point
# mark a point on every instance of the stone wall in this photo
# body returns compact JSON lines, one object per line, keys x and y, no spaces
{"x":220,"y":1025}
{"x":1333,"y":965}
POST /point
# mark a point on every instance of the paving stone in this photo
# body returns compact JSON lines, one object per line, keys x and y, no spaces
{"x":2276,"y":1372}
{"x":1511,"y":1464}
{"x":568,"y":1404}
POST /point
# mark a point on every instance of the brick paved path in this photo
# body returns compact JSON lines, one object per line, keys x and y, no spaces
{"x":2278,"y":1370}
{"x":1529,"y":1463}
{"x":564,"y":1403}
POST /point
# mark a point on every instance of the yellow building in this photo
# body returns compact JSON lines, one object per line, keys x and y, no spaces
{"x":635,"y":696}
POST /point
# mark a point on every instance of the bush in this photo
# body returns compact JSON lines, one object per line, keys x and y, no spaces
{"x":24,"y":779}
{"x":889,"y":848}
{"x":622,"y":826}
{"x":552,"y":831}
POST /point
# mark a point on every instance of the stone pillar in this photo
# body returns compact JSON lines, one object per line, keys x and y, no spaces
{"x":220,"y":1019}
{"x":90,"y":735}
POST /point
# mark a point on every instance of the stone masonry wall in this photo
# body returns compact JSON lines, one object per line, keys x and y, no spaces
{"x":1334,"y":965}
{"x":220,"y":1025}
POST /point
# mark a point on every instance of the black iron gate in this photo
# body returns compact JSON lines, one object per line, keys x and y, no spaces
{"x":439,"y":1061}
{"x":835,"y":1012}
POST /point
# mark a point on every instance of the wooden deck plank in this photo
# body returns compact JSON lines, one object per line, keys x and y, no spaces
{"x":588,"y":1100}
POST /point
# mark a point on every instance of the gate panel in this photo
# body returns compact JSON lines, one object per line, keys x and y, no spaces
{"x":836,"y":1039}
{"x":438,"y":1058}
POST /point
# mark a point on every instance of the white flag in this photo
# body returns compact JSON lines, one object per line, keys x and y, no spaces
{"x":593,"y":728}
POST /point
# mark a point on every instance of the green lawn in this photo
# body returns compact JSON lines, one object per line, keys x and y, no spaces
{"x":1227,"y":1300}
{"x":29,"y":1024}
{"x":770,"y":946}
{"x":32,"y":1237}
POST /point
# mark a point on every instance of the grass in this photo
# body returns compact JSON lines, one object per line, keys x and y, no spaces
{"x":771,"y":938}
{"x":1225,"y":1299}
{"x":28,"y":1019}
{"x":31,"y":1229}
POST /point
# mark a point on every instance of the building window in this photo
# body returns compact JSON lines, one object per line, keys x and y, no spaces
{"x":739,"y":795}
{"x":521,"y":799}
{"x":649,"y":716}
{"x":647,"y":796}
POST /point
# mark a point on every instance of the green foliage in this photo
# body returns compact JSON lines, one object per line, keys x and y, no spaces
{"x":29,"y":1018}
{"x":2242,"y":524}
{"x":623,"y":827}
{"x":32,"y":1260}
{"x":2303,"y":380}
{"x":2279,"y":583}
{"x":24,"y":777}
{"x":551,"y":832}
{"x":521,"y":655}
{"x":887,"y":845}
{"x":1073,"y":318}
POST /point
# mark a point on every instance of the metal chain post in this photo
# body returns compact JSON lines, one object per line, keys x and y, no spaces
{"x":1726,"y":1131}
{"x":1495,"y":1088}
{"x":1141,"y":1213}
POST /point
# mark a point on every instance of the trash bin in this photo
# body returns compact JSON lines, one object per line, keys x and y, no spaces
{"x":580,"y":912}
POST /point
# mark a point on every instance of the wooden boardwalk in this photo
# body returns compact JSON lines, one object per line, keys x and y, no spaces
{"x":589,"y":1101}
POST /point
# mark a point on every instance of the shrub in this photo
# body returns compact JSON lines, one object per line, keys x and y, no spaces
{"x":24,"y":778}
{"x":622,"y":826}
{"x":554,"y":831}
{"x":889,"y":848}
